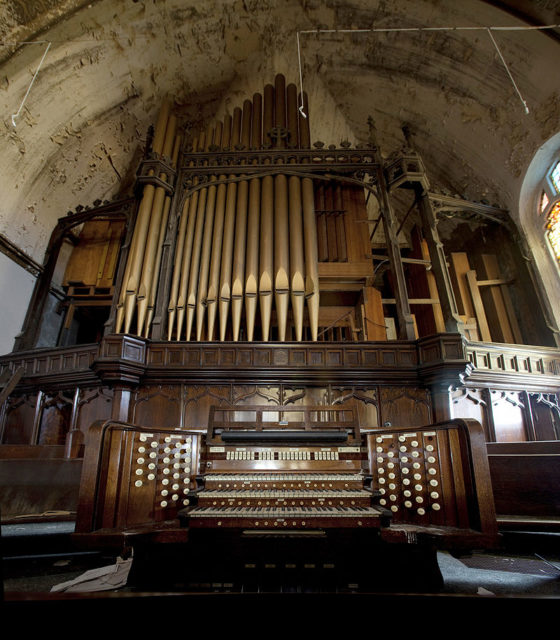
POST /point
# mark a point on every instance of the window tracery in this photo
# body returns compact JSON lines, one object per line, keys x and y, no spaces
{"x":549,"y":205}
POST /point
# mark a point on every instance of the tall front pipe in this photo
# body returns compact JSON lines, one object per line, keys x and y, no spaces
{"x":188,"y":251}
{"x":155,"y":278}
{"x":229,"y":234}
{"x":311,"y":262}
{"x":131,"y":281}
{"x":154,"y":232}
{"x":253,"y":223}
{"x":163,"y":231}
{"x":217,"y":241}
{"x":190,"y":212}
{"x":238,"y":276}
{"x":297,"y":283}
{"x":178,"y":262}
{"x":266,"y":261}
{"x":204,"y":273}
{"x":310,"y":231}
{"x":281,"y":224}
{"x":194,"y":274}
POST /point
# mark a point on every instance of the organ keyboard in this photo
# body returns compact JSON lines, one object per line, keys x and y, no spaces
{"x":283,"y":487}
{"x":421,"y":488}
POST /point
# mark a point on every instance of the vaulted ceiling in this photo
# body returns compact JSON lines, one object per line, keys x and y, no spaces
{"x":81,"y":130}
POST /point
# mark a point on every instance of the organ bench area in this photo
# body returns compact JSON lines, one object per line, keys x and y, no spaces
{"x":322,"y":507}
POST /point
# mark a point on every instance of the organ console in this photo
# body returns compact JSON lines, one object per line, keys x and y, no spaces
{"x":282,"y":478}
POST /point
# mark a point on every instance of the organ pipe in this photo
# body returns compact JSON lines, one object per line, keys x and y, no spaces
{"x":245,"y":244}
{"x":178,"y":266}
{"x":229,"y":230}
{"x":253,"y":222}
{"x":149,"y":211}
{"x":216,"y":258}
{"x":187,"y":253}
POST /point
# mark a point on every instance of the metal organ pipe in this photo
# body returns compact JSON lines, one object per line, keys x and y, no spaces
{"x":253,"y":223}
{"x":132,"y":276}
{"x":196,"y":252}
{"x":297,"y":284}
{"x":216,"y":257}
{"x":179,"y":259}
{"x":244,"y":244}
{"x":238,"y":275}
{"x":187,"y":256}
{"x":266,"y":258}
{"x":229,"y":231}
{"x":309,"y":231}
{"x":154,"y":233}
{"x":281,"y":226}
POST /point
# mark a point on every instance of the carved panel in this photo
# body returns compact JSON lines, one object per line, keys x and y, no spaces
{"x":197,"y":400}
{"x":508,"y":416}
{"x":471,"y":403}
{"x":545,"y":409}
{"x":18,"y":419}
{"x":93,"y":404}
{"x":55,"y":419}
{"x":403,"y":406}
{"x":158,"y":405}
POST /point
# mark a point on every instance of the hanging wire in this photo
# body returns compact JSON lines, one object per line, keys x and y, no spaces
{"x":508,"y":71}
{"x":16,"y":115}
{"x":419,"y":29}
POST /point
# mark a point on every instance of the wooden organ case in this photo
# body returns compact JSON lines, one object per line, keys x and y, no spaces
{"x":308,"y":503}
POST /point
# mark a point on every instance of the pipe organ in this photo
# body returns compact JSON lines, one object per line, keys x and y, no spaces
{"x":257,"y":268}
{"x":245,"y":255}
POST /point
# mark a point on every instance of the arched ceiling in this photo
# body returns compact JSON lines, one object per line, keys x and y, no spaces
{"x":81,"y":131}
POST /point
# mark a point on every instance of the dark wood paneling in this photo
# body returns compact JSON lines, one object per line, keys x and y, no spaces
{"x":525,"y":479}
{"x":405,"y":407}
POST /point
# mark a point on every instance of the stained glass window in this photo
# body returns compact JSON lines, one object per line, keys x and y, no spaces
{"x":555,"y":177}
{"x":553,"y":229}
{"x":544,"y":201}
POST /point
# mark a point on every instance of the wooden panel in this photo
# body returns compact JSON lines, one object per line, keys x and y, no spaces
{"x":30,"y":487}
{"x":19,"y":419}
{"x":93,"y":404}
{"x":458,"y":269}
{"x":373,"y":320}
{"x":493,"y":299}
{"x":526,"y":479}
{"x":508,"y":416}
{"x":545,"y":410}
{"x":471,"y":403}
{"x":404,"y":406}
{"x":93,"y":261}
{"x":55,"y":420}
{"x":479,"y":310}
{"x":157,"y":405}
{"x":357,"y":230}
